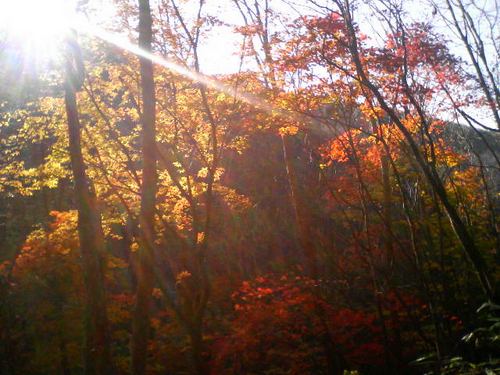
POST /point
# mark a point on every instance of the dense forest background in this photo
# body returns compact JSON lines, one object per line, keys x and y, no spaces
{"x":330,"y":205}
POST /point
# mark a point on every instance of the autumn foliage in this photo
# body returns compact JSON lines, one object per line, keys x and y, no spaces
{"x":331,"y":207}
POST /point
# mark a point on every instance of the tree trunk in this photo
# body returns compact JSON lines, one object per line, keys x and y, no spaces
{"x":301,"y":214}
{"x":147,"y":235}
{"x":97,"y":348}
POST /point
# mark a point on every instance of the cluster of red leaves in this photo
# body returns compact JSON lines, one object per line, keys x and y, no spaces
{"x":333,"y":23}
{"x":422,"y":51}
{"x":284,"y":323}
{"x":420,"y":46}
{"x":45,"y":251}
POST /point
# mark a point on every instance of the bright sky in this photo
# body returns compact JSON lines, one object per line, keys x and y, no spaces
{"x":39,"y":26}
{"x":219,"y":50}
{"x":39,"y":23}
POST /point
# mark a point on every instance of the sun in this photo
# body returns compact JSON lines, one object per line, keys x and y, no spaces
{"x":37,"y":26}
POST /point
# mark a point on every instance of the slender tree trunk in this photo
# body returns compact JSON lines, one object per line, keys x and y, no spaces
{"x":147,"y":235}
{"x":97,"y":346}
{"x":301,"y":215}
{"x":387,"y":212}
{"x":196,"y":335}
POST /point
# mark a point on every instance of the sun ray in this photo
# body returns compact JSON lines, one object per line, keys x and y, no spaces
{"x":254,"y":100}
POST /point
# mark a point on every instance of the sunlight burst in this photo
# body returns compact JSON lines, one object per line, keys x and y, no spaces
{"x":37,"y":26}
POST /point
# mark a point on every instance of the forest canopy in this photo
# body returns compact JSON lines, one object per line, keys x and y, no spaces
{"x":249,"y":187}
